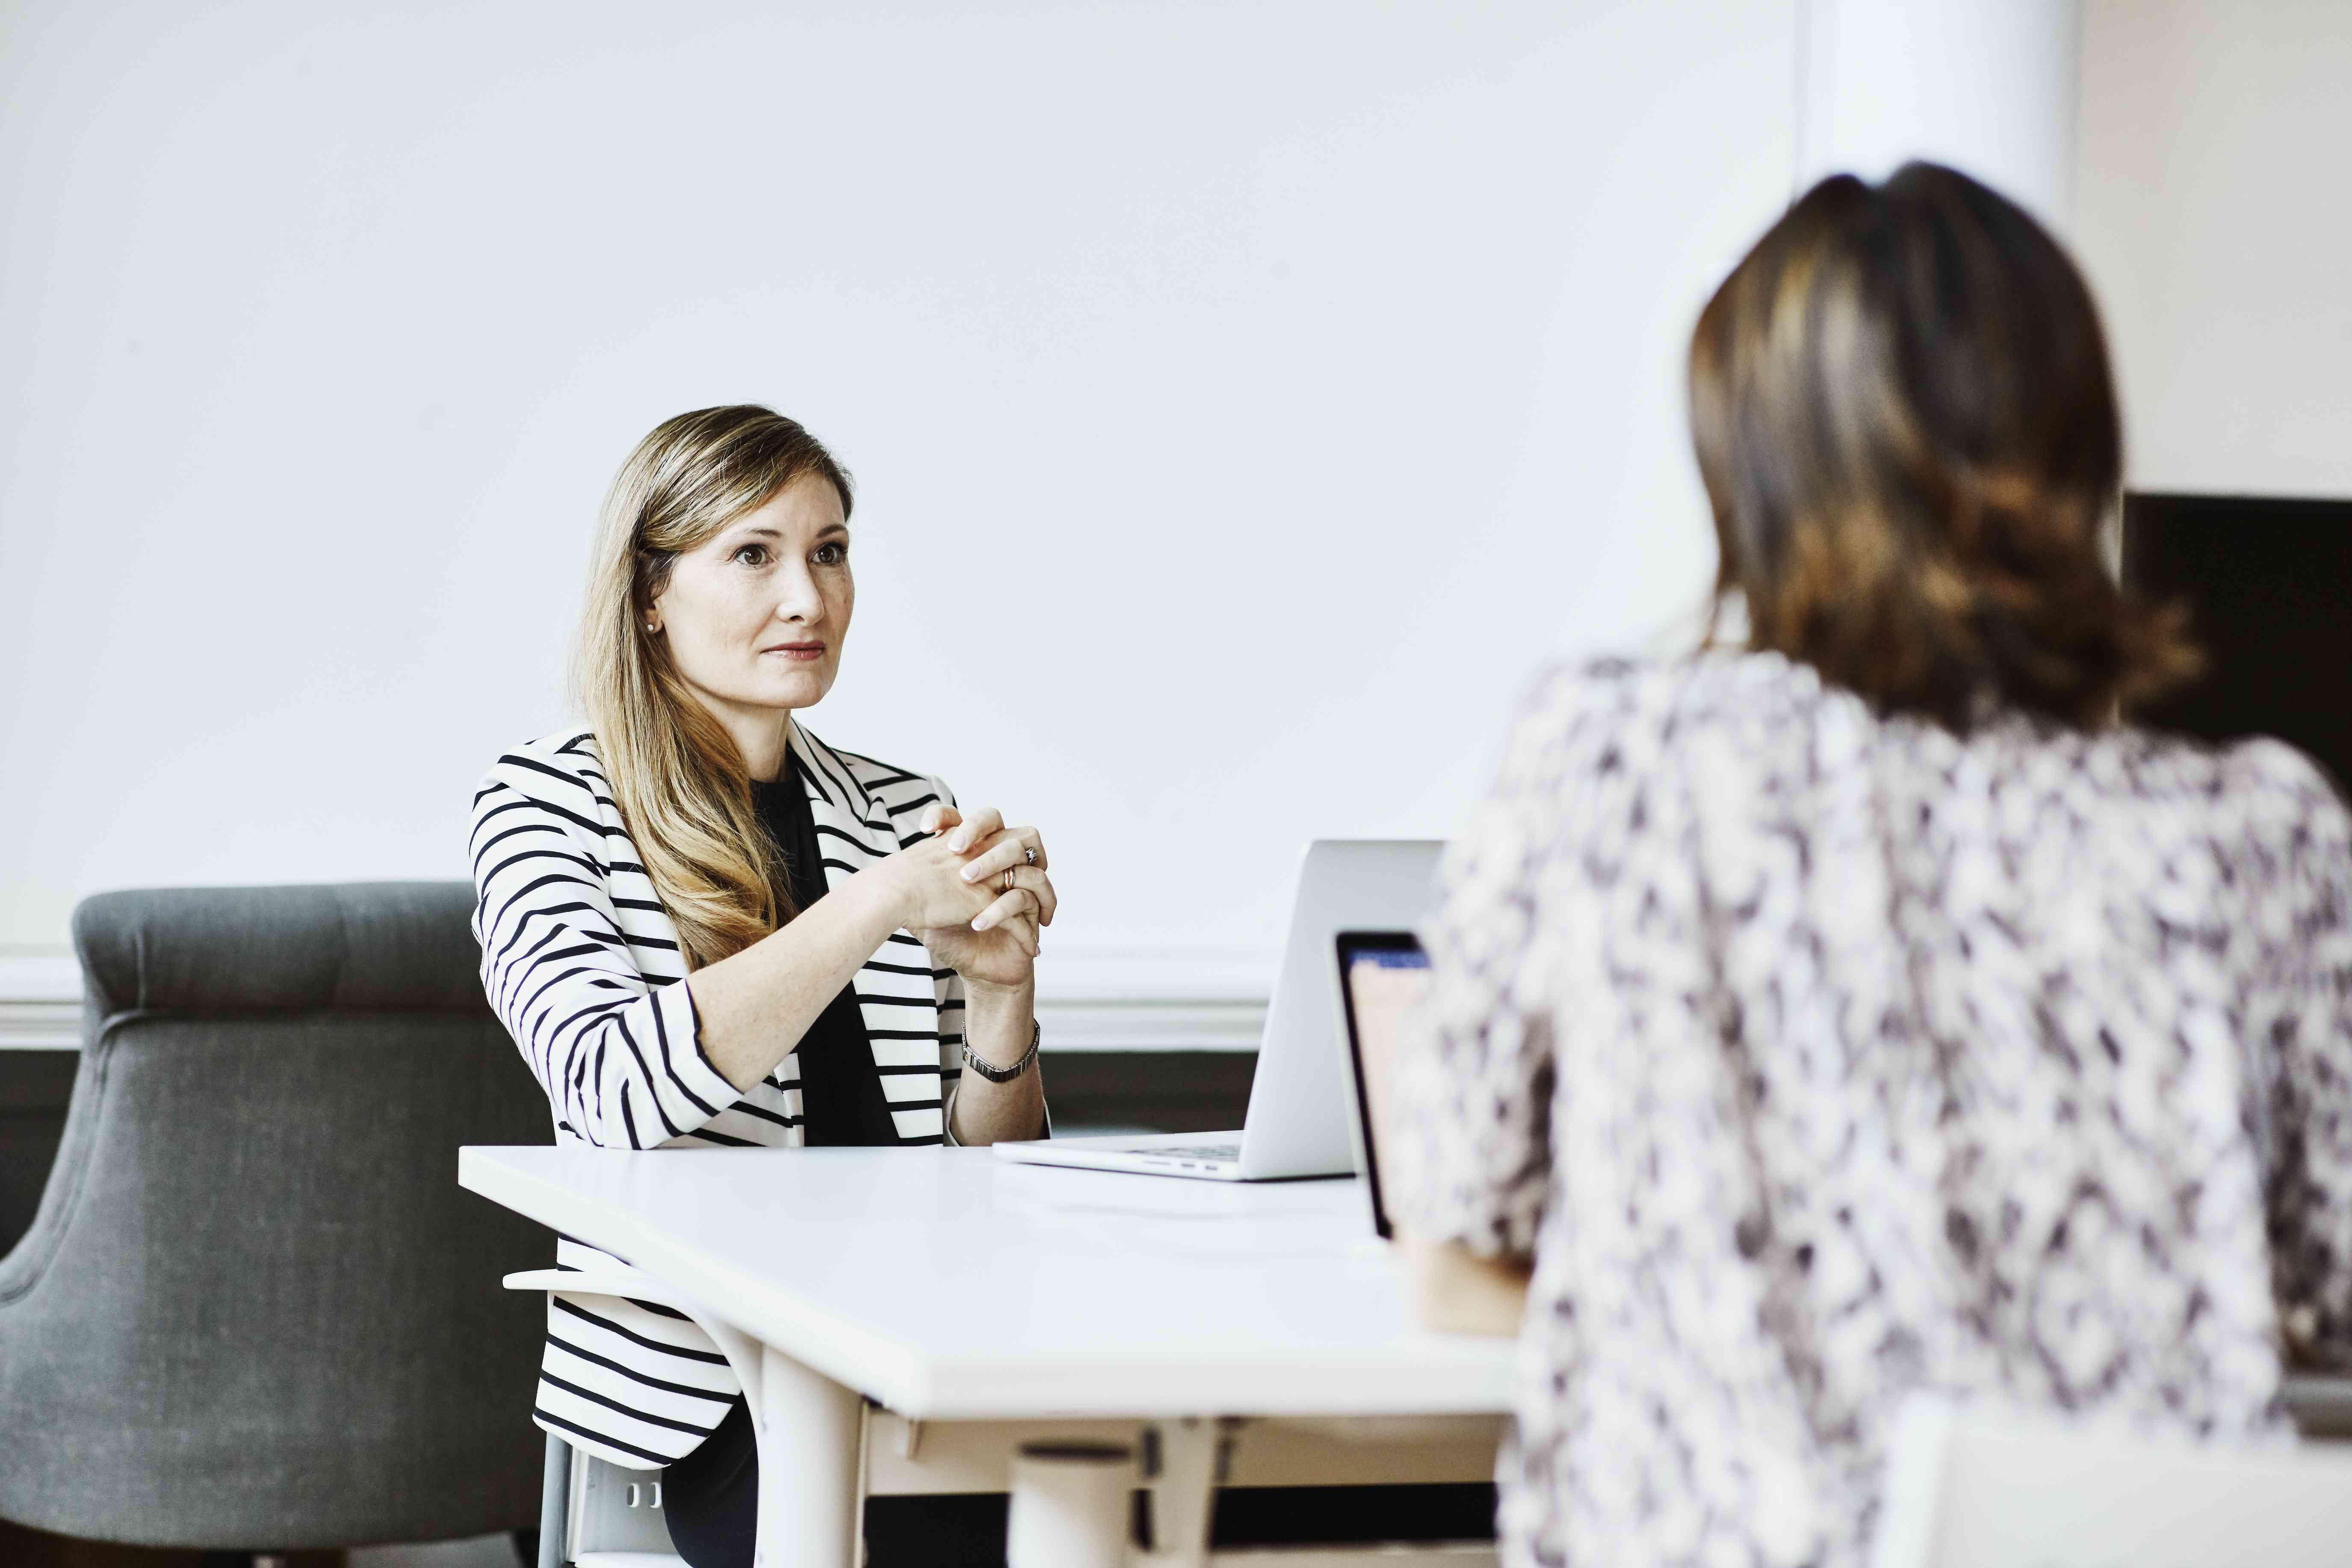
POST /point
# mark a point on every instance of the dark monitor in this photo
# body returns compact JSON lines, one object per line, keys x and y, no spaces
{"x":2268,"y":584}
{"x":1381,"y":975}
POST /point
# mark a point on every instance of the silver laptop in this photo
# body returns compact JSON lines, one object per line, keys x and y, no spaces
{"x":1301,"y":1101}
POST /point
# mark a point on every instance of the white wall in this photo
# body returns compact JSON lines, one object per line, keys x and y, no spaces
{"x":2215,"y":220}
{"x":1985,"y":86}
{"x":1244,"y":397}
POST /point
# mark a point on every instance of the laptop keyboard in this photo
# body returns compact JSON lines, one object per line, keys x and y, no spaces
{"x":1198,"y":1150}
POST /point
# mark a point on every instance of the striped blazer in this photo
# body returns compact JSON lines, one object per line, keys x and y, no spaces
{"x":584,"y":966}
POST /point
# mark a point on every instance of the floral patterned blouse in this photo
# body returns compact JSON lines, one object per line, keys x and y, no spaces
{"x":1817,"y":1056}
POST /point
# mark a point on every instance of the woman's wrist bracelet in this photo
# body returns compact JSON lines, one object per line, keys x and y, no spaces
{"x":994,"y":1074}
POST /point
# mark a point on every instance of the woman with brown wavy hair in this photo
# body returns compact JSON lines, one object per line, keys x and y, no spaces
{"x":705,"y":927}
{"x":1868,"y":1009}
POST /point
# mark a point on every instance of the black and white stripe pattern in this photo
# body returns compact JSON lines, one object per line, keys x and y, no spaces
{"x":584,"y":966}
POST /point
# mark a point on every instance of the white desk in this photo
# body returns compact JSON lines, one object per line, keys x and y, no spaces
{"x":1034,"y":1294}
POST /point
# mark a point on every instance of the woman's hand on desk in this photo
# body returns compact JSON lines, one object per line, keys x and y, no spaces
{"x":1459,"y":1292}
{"x":996,"y":944}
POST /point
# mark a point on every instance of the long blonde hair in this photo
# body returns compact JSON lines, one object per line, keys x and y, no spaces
{"x":681,"y":783}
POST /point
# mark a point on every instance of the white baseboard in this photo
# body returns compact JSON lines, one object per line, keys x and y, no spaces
{"x":1163,"y":1000}
{"x":1149,"y":1026}
{"x":41,"y":1000}
{"x":1087,"y":1000}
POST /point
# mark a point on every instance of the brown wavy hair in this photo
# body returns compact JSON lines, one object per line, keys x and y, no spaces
{"x":1907,"y":429}
{"x":682,"y":785}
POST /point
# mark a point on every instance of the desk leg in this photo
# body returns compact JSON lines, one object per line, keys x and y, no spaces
{"x":1192,"y":1465}
{"x":808,"y":1467}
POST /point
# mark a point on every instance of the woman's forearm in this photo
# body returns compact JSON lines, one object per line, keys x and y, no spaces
{"x":756,"y":1005}
{"x":999,"y":1022}
{"x":1463,"y":1293}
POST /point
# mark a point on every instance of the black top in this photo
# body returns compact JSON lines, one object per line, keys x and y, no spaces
{"x":842,"y":1101}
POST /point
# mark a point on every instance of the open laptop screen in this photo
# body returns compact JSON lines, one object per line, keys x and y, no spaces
{"x":1382,"y":975}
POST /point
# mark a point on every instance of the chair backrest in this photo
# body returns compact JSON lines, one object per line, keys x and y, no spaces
{"x":1975,"y":1487}
{"x":254,"y":1308}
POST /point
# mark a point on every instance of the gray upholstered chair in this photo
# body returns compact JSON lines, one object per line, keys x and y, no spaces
{"x":255,"y":1311}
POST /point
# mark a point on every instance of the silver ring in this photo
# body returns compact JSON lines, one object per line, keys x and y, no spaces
{"x":1028,"y":856}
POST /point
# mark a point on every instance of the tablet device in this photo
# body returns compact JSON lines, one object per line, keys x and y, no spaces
{"x":1382,"y":973}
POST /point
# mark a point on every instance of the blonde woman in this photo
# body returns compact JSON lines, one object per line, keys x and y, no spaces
{"x":707,"y":928}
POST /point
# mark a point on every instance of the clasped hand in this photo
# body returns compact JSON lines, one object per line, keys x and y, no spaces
{"x":977,"y":893}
